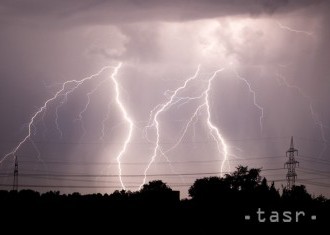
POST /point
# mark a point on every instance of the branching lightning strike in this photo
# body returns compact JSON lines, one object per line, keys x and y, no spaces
{"x":254,"y":98}
{"x":63,"y":91}
{"x":106,"y":117}
{"x":80,"y":115}
{"x":318,"y":122}
{"x":214,"y":131}
{"x":285,"y":27}
{"x":154,"y":114}
{"x":128,"y":121}
{"x":61,"y":103}
{"x":173,"y":100}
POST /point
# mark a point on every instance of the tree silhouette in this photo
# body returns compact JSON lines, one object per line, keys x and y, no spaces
{"x":297,"y":194}
{"x":209,"y":188}
{"x":120,"y":195}
{"x":243,"y":179}
{"x":158,"y":192}
{"x":155,"y":186}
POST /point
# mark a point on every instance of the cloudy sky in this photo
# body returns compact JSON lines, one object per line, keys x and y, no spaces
{"x":274,"y":83}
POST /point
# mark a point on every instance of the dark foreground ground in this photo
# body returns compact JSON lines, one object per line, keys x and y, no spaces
{"x":155,"y":214}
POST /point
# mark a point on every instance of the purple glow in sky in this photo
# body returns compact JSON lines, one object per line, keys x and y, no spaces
{"x":274,"y":83}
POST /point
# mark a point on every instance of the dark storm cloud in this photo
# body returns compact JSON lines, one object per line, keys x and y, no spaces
{"x":102,"y":11}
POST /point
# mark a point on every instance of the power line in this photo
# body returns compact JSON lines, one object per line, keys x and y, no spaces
{"x":320,"y":184}
{"x":315,"y":172}
{"x":135,"y":175}
{"x":141,"y":163}
{"x":63,"y":186}
{"x":317,"y":161}
{"x":164,"y":143}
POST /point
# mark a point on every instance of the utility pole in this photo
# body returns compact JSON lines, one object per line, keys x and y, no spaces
{"x":15,"y":184}
{"x":291,"y":165}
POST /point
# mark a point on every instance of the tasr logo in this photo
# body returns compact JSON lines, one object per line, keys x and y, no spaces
{"x":263,"y":216}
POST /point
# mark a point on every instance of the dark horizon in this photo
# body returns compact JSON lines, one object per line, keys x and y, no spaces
{"x":240,"y":198}
{"x":73,"y":189}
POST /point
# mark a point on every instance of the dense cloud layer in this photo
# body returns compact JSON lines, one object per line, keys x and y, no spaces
{"x":118,"y":11}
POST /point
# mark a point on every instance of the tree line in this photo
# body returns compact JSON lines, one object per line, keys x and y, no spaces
{"x":214,"y":202}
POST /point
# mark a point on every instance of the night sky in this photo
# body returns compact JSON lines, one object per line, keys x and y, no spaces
{"x":273,"y":82}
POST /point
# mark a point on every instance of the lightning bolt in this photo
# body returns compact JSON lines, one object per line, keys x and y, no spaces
{"x":61,"y":103}
{"x":57,"y":116}
{"x":80,"y":115}
{"x":191,"y":120}
{"x":314,"y":115}
{"x":43,"y":123}
{"x":214,"y":131}
{"x":294,"y":87}
{"x":154,"y":114}
{"x":321,"y":126}
{"x":254,"y":97}
{"x":61,"y":91}
{"x":126,"y":118}
{"x":106,"y":118}
{"x":294,"y":30}
{"x":194,"y":122}
{"x":173,"y":99}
